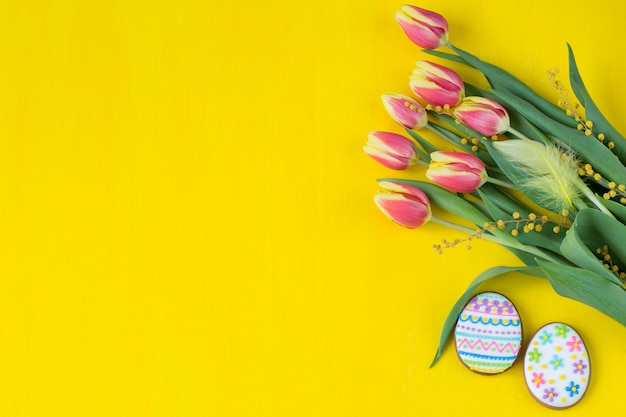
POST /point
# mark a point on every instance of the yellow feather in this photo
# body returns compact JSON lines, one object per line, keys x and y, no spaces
{"x":551,"y":172}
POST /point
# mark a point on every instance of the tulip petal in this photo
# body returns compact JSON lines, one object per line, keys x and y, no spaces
{"x":444,"y":76}
{"x":391,"y":143}
{"x":405,"y":110}
{"x":391,"y":150}
{"x":483,"y":115}
{"x":403,"y":188}
{"x":462,"y":158}
{"x":386,"y":159}
{"x":456,"y":171}
{"x":426,"y":29}
{"x":457,"y":181}
{"x":403,"y":209}
{"x":436,"y":85}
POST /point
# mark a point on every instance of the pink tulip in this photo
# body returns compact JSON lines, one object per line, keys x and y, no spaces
{"x":390,"y":149}
{"x":405,"y":110}
{"x":404,"y":204}
{"x":457,"y":171}
{"x":426,"y":29}
{"x":484,"y":115}
{"x":436,"y":85}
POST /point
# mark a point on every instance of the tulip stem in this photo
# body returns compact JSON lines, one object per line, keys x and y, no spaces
{"x":517,"y":133}
{"x":501,"y":183}
{"x":511,"y":243}
{"x":441,"y":135}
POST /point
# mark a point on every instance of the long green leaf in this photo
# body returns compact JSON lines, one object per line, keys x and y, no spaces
{"x":587,"y":287}
{"x":467,"y":147}
{"x":587,"y":148}
{"x":503,"y":200}
{"x":501,"y":79}
{"x":428,"y":147}
{"x":618,"y":210}
{"x":445,"y":55}
{"x":591,"y":230}
{"x":453,"y":315}
{"x":592,"y":112}
{"x":546,"y":240}
{"x":452,"y":122}
{"x":527,"y":258}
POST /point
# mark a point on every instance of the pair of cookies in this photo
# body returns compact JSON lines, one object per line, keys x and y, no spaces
{"x":488,"y":340}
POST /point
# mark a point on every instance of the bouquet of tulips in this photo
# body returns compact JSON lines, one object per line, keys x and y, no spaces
{"x":547,"y":181}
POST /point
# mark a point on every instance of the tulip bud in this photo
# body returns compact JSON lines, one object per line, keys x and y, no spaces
{"x":426,"y":29}
{"x":405,"y":110}
{"x":390,"y":149}
{"x":483,"y":115}
{"x":404,"y":204}
{"x":436,"y":85}
{"x":457,"y":171}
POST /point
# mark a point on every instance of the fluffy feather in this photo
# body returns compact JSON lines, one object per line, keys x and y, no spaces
{"x":550,"y":172}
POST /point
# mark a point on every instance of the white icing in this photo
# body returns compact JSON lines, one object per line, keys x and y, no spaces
{"x":488,"y":334}
{"x":556,"y":366}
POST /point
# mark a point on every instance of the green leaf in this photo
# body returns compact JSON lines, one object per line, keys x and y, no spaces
{"x":591,"y":230}
{"x":503,"y":200}
{"x":532,"y":132}
{"x":453,"y":315}
{"x":451,"y":121}
{"x":445,"y":55}
{"x":587,"y":287}
{"x":527,"y":258}
{"x":503,"y":80}
{"x":494,"y":200}
{"x":466,"y":147}
{"x":423,"y":155}
{"x":428,"y":147}
{"x":587,"y":148}
{"x":618,"y":210}
{"x":592,"y":112}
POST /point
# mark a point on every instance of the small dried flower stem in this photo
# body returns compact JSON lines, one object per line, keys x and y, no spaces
{"x":515,"y":244}
{"x":604,"y":256}
{"x":583,"y":125}
{"x":532,"y":222}
{"x":614,"y":190}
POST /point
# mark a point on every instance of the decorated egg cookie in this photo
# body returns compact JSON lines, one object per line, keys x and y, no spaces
{"x":556,"y":366}
{"x":488,"y":334}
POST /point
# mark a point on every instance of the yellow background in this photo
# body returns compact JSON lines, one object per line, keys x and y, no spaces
{"x":186,"y":213}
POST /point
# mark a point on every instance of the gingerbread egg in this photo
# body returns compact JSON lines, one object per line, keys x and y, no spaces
{"x":556,"y":366}
{"x":488,"y":334}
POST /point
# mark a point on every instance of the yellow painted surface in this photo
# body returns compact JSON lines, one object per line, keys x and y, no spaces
{"x":186,"y":213}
